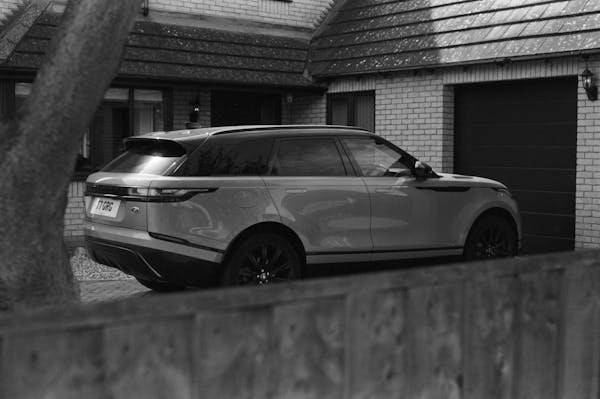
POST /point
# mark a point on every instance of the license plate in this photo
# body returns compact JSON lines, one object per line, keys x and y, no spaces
{"x":105,"y":207}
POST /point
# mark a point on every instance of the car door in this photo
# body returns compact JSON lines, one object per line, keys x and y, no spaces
{"x":319,"y":197}
{"x":405,"y":213}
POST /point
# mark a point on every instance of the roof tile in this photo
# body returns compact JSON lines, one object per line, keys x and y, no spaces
{"x":367,"y":36}
{"x":161,"y":51}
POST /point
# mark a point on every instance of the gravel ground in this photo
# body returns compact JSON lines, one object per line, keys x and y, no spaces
{"x":86,"y":269}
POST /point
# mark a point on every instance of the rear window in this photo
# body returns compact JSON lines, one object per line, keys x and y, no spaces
{"x":229,"y":156}
{"x":156,"y":157}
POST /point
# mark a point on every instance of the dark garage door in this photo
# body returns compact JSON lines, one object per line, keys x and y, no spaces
{"x":523,"y":134}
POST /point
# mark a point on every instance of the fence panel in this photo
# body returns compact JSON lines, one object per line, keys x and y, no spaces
{"x":522,"y":328}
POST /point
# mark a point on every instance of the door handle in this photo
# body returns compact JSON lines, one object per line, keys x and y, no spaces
{"x":389,"y":189}
{"x":297,"y":190}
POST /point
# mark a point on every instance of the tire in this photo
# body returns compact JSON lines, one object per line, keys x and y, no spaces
{"x":159,"y":286}
{"x":491,"y":237}
{"x":263,"y":258}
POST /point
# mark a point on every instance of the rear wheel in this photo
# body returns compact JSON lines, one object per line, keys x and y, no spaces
{"x":491,"y":237}
{"x":159,"y":286}
{"x":263,"y":258}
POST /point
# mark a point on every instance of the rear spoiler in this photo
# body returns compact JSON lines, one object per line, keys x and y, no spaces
{"x":166,"y":147}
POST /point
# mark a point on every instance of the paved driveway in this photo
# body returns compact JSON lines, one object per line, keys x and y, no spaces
{"x":108,"y":290}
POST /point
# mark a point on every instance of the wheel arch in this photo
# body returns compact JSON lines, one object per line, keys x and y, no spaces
{"x":268,"y":227}
{"x":496,"y":211}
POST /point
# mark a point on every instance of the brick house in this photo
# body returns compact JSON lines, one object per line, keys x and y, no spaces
{"x":486,"y":87}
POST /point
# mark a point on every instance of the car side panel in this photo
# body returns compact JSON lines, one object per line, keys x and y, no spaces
{"x":411,"y":214}
{"x":211,"y":219}
{"x":329,"y":214}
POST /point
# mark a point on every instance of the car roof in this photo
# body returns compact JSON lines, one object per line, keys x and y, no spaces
{"x":191,"y":135}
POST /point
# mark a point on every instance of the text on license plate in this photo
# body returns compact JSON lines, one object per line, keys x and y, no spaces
{"x":105,"y":207}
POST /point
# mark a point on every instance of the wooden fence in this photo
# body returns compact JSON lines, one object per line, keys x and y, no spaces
{"x":523,"y":328}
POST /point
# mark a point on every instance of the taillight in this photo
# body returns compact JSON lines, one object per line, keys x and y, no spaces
{"x":175,"y":194}
{"x":146,"y":194}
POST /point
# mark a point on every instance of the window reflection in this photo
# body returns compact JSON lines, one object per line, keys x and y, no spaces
{"x":309,"y":157}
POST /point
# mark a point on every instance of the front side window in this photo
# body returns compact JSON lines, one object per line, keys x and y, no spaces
{"x":308,"y":157}
{"x":375,"y":158}
{"x":225,"y":157}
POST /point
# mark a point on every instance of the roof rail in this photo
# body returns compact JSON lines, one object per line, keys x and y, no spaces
{"x":237,"y":129}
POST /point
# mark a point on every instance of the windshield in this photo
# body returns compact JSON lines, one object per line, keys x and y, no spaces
{"x":157,"y":157}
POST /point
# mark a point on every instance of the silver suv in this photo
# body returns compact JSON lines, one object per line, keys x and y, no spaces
{"x":256,"y":204}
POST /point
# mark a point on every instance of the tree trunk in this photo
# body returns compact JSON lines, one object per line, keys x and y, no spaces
{"x":38,"y":150}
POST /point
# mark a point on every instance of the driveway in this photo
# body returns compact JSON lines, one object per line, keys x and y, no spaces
{"x":109,"y":290}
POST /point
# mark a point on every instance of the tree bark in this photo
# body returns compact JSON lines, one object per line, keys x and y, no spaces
{"x":38,"y":150}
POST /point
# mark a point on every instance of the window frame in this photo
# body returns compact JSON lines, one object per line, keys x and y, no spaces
{"x":351,"y":97}
{"x":346,"y":164}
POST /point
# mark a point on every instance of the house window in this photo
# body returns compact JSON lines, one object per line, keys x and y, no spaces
{"x":124,"y":112}
{"x":352,"y":109}
{"x":229,"y":108}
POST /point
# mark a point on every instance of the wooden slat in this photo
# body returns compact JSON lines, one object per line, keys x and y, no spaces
{"x":150,"y":359}
{"x":231,"y":352}
{"x":539,"y":335}
{"x":377,"y":345}
{"x":60,"y":364}
{"x":307,"y":350}
{"x":434,"y":337}
{"x":581,"y":345}
{"x":489,"y":335}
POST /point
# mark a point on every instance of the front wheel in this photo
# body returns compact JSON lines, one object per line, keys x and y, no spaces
{"x":491,"y":237}
{"x":263,"y":258}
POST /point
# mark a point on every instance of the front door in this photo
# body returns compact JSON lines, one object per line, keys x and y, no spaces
{"x":406,"y":216}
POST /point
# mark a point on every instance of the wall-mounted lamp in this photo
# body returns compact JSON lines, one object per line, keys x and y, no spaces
{"x":145,"y":7}
{"x":589,"y":85}
{"x":195,"y":112}
{"x":289,"y":98}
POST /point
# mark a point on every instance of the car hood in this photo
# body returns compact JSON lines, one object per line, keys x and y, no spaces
{"x":449,"y":179}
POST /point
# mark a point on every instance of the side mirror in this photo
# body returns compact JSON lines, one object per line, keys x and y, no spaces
{"x":422,"y":170}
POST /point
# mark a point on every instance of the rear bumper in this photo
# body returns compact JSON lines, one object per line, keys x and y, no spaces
{"x":152,"y":262}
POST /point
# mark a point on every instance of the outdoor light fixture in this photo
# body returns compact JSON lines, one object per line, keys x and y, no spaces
{"x":195,"y":113}
{"x":589,"y":85}
{"x":145,"y":7}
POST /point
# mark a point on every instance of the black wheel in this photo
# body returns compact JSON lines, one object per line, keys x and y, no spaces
{"x":263,"y":258}
{"x":491,"y":237}
{"x":159,"y":286}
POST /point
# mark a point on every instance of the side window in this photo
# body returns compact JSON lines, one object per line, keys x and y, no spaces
{"x":237,"y":157}
{"x":375,"y":158}
{"x":308,"y":157}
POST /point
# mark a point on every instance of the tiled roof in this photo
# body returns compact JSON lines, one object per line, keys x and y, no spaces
{"x":173,"y":52}
{"x":387,"y":35}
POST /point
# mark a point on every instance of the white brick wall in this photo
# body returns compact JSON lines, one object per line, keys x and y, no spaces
{"x":299,"y":13}
{"x":305,"y":110}
{"x":74,"y":214}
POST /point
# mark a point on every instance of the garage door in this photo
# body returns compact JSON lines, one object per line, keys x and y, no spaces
{"x":523,"y":133}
